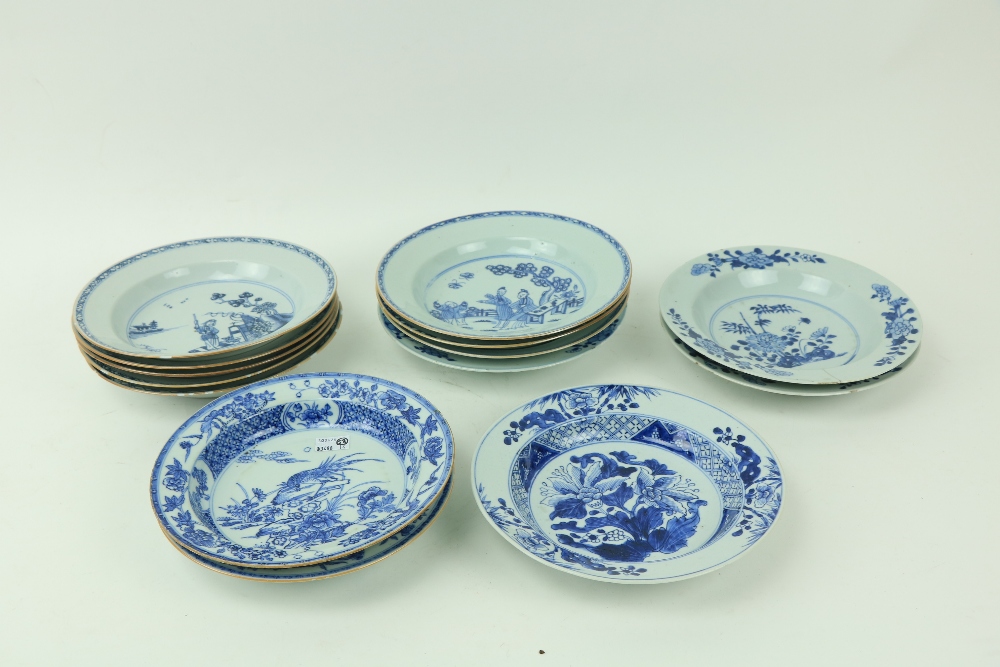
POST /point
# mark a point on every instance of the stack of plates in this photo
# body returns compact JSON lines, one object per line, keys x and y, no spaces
{"x":790,"y":321}
{"x":303,"y":477}
{"x":503,"y":291}
{"x":206,"y":316}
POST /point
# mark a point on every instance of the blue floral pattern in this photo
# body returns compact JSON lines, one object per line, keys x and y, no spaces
{"x":900,"y":324}
{"x":756,"y":259}
{"x":624,"y":509}
{"x":789,"y":349}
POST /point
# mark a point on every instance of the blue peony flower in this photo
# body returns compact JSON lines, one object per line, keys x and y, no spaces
{"x":663,"y":492}
{"x":572,"y":489}
{"x":580,"y":401}
{"x":756,"y":260}
{"x":766,"y":343}
{"x":882,"y":292}
{"x":699,"y":269}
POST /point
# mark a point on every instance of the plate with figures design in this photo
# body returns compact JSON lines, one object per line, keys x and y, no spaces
{"x":545,"y":347}
{"x":338,"y":566}
{"x":785,"y":388}
{"x":301,"y":469}
{"x":504,"y":275}
{"x":626,"y":483}
{"x":205,"y":297}
{"x":792,"y":315}
{"x":510,"y":365}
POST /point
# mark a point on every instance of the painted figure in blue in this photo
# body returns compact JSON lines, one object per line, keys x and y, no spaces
{"x":504,"y":308}
{"x":209,"y":334}
{"x":522,"y":309}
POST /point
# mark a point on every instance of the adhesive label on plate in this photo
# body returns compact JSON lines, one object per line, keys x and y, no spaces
{"x":332,"y":444}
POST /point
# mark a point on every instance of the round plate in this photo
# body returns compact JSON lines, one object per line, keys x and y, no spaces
{"x":337,"y":566}
{"x":505,"y":275}
{"x":792,"y":315}
{"x":626,"y":483}
{"x":512,"y":365}
{"x":301,"y":469}
{"x":785,"y":388}
{"x":204,"y":297}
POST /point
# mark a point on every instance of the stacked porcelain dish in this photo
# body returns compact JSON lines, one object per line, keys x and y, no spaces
{"x":790,"y":321}
{"x":303,"y":477}
{"x":203,"y":317}
{"x":503,"y":291}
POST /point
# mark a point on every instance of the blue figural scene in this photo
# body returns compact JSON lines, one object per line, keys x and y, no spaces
{"x":209,"y":316}
{"x":620,"y":508}
{"x":492,"y":295}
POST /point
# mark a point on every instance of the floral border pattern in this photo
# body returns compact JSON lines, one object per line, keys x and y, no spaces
{"x":757,"y":259}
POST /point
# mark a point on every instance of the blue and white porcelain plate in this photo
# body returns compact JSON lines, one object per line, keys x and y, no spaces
{"x":301,"y":469}
{"x":203,"y":298}
{"x":792,"y":315}
{"x":785,"y":388}
{"x":627,"y":483}
{"x":510,"y":365}
{"x":504,"y":275}
{"x":338,"y":566}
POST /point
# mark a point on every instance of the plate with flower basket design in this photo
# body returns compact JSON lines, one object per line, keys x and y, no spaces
{"x":626,"y":483}
{"x":338,"y":566}
{"x":301,"y":469}
{"x":792,"y":315}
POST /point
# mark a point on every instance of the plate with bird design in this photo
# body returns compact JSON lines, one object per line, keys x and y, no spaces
{"x":301,"y":469}
{"x":626,"y":483}
{"x":792,"y":315}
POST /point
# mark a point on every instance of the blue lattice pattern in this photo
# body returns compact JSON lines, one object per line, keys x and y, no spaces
{"x":380,"y":425}
{"x":234,"y":439}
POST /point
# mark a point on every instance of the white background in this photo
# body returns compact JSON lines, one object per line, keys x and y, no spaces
{"x":865,"y":130}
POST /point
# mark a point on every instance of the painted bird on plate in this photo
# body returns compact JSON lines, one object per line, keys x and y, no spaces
{"x":301,"y":484}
